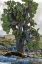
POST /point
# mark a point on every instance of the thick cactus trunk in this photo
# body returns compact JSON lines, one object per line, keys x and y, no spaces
{"x":19,"y":45}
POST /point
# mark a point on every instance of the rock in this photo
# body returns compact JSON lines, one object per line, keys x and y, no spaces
{"x":16,"y":54}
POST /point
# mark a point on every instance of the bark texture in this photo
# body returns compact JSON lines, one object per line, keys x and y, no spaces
{"x":19,"y":45}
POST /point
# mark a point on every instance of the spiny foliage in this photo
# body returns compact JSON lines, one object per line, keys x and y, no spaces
{"x":20,"y":15}
{"x":18,"y":12}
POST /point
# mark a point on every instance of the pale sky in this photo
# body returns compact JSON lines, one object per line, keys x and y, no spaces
{"x":37,"y":18}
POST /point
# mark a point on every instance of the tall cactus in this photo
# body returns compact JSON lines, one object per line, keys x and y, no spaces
{"x":19,"y":15}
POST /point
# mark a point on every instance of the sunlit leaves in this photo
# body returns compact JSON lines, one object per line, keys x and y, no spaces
{"x":33,"y":45}
{"x":18,"y":12}
{"x":6,"y":23}
{"x":20,"y":15}
{"x":6,"y":28}
{"x":5,"y":10}
{"x":34,"y":33}
{"x":22,"y":18}
{"x":10,"y":3}
{"x":4,"y":18}
{"x":17,"y":33}
{"x":30,"y":45}
{"x":13,"y":3}
{"x":14,"y":32}
{"x":32,"y":23}
{"x":26,"y":0}
{"x":17,"y":17}
{"x":33,"y":9}
{"x":36,"y":45}
{"x":15,"y":12}
{"x":31,"y":15}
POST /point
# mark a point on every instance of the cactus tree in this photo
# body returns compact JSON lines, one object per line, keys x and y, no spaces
{"x":18,"y":17}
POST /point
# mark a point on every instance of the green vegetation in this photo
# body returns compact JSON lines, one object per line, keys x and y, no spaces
{"x":33,"y":45}
{"x":40,"y":43}
{"x":2,"y":52}
{"x":30,"y":46}
{"x":21,"y":14}
{"x":6,"y":42}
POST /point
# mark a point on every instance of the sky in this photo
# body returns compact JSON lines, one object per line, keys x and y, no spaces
{"x":37,"y":18}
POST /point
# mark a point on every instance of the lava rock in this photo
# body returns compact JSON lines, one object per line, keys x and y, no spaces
{"x":16,"y":54}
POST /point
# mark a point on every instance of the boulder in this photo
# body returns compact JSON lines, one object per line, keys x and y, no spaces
{"x":16,"y":54}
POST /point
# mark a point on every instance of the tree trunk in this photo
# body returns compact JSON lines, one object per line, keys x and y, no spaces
{"x":19,"y":45}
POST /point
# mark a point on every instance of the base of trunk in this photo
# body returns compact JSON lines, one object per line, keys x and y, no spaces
{"x":19,"y":45}
{"x":20,"y":48}
{"x":16,"y":54}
